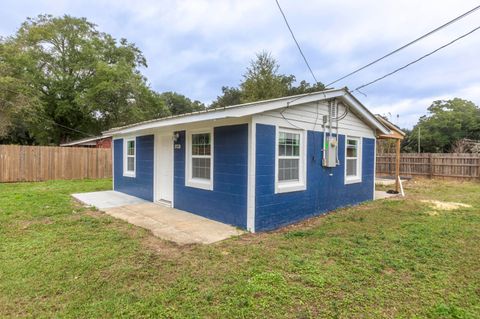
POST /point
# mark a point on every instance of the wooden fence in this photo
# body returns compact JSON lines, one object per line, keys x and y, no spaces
{"x":41,"y":163}
{"x":431,"y":165}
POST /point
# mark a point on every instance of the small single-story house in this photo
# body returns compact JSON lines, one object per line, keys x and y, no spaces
{"x":258,"y":165}
{"x":91,"y":142}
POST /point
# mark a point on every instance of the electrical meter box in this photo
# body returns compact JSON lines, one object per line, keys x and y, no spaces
{"x":330,"y":149}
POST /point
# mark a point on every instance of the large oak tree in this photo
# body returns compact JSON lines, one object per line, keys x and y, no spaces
{"x":65,"y":78}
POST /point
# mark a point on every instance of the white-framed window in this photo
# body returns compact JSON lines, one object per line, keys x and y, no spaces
{"x":129,"y":156}
{"x":290,"y":160}
{"x":353,"y":160}
{"x":199,"y":159}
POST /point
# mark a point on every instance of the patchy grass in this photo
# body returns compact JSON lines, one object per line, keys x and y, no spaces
{"x":383,"y":259}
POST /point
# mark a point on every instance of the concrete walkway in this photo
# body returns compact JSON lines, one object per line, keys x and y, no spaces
{"x":164,"y":222}
{"x":107,"y":199}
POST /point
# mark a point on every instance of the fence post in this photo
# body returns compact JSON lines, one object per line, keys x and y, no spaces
{"x":478,"y":169}
{"x":430,"y":162}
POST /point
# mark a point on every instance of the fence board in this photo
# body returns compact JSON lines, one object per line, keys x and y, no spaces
{"x":431,"y":164}
{"x":41,"y":163}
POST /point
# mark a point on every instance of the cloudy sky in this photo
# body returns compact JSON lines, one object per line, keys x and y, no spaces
{"x":196,"y":46}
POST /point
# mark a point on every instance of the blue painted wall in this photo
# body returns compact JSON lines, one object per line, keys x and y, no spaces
{"x":142,"y":184}
{"x":323,"y":193}
{"x":227,"y":202}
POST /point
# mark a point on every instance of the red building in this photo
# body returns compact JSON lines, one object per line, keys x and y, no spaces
{"x":92,"y":142}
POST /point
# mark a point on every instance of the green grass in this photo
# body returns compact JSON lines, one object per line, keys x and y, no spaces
{"x":383,"y":259}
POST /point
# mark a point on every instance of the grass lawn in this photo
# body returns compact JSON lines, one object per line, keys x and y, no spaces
{"x":383,"y":259}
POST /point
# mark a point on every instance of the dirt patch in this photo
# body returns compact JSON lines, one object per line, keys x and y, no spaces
{"x":94,"y":213}
{"x":166,"y":249}
{"x":439,"y":205}
{"x":26,"y":224}
{"x":388,"y":271}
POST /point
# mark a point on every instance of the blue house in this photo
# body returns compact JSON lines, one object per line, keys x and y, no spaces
{"x":258,"y":165}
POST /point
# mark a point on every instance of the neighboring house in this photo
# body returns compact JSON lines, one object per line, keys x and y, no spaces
{"x":93,"y":142}
{"x":258,"y":165}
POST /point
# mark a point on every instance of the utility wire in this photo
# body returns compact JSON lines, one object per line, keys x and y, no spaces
{"x":65,"y":127}
{"x":46,"y":118}
{"x":417,"y":60}
{"x":296,"y":42}
{"x":304,"y":59}
{"x":406,"y":45}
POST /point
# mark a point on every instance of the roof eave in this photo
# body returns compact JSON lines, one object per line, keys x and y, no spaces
{"x":243,"y":110}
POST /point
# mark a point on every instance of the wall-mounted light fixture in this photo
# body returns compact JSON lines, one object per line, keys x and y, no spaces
{"x":175,"y":137}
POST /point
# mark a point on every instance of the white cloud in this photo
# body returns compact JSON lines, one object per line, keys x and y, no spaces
{"x":410,"y":109}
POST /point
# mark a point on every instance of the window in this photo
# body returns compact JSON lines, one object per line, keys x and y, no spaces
{"x":129,"y":157}
{"x":290,"y":161}
{"x":199,"y":160}
{"x":353,"y":166}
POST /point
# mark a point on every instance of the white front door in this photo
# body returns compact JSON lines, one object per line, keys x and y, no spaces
{"x":164,"y":169}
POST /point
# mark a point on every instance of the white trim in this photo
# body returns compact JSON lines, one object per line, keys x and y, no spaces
{"x":358,"y":177}
{"x":374,"y":165}
{"x":157,"y":140}
{"x":155,"y":172}
{"x":126,"y":172}
{"x":248,"y":109}
{"x":301,"y":184}
{"x":173,"y":171}
{"x":113,"y":164}
{"x":84,"y":140}
{"x":252,"y":144}
{"x":189,"y":180}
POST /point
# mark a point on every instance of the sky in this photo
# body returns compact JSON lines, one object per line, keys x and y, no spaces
{"x":195,"y":47}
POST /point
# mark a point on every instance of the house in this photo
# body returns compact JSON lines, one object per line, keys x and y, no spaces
{"x":92,"y":142}
{"x":258,"y":165}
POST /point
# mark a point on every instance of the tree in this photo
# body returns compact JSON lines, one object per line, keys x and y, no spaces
{"x":230,"y":96}
{"x":180,"y":104}
{"x":446,"y":123}
{"x":15,"y":96}
{"x":262,"y":81}
{"x":305,"y":87}
{"x":84,"y":80}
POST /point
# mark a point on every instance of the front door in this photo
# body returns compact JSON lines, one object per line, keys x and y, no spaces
{"x":164,"y":168}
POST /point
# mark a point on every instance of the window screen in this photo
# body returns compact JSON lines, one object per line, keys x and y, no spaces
{"x":352,"y":158}
{"x":130,"y":156}
{"x":288,"y":156}
{"x":201,"y":156}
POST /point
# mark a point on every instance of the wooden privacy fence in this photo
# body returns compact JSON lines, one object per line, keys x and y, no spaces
{"x":41,"y":163}
{"x":431,"y":165}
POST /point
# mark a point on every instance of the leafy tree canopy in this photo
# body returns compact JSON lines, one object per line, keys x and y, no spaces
{"x":62,"y":73}
{"x":180,"y":104}
{"x":445,"y":123}
{"x":230,"y":96}
{"x":262,"y":80}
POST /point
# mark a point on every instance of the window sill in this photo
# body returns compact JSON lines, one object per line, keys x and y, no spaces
{"x":289,"y":187}
{"x":199,"y":183}
{"x":129,"y":174}
{"x":353,"y":180}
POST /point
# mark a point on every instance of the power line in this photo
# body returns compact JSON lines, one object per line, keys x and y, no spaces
{"x":46,"y":118}
{"x":417,"y":60}
{"x":65,"y":127}
{"x":406,"y":45}
{"x":296,"y":42}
